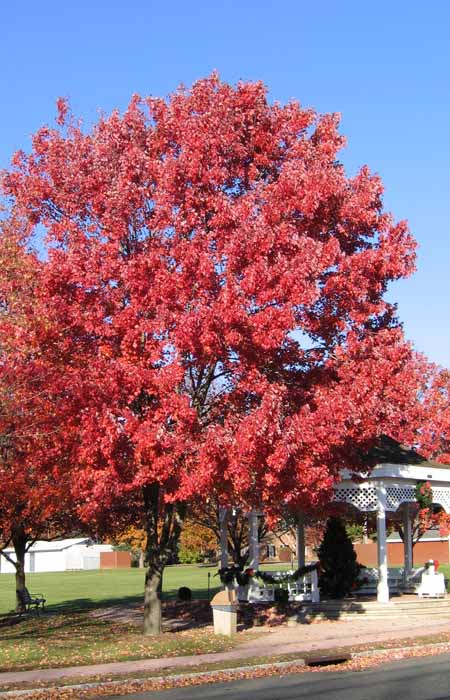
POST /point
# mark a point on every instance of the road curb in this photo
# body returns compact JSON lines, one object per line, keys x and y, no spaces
{"x":176,"y":677}
{"x":396,"y":650}
{"x":222,"y":674}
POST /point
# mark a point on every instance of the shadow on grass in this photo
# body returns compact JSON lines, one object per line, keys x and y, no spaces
{"x":46,"y":626}
{"x":89,"y":614}
{"x":197,"y":593}
{"x":75,"y":605}
{"x":81,"y":604}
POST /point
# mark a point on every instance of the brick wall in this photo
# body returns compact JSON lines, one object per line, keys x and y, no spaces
{"x":367,"y":553}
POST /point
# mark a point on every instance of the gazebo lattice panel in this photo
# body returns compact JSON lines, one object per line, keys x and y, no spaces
{"x":396,"y":495}
{"x":442,"y":497}
{"x":362,"y":497}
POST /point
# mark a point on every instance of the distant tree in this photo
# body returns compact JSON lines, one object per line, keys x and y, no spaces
{"x":355,"y":531}
{"x":424,"y":515}
{"x":207,"y":515}
{"x":134,"y":539}
{"x":196,"y":541}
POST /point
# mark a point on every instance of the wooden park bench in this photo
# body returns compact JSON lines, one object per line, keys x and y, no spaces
{"x":31,"y":600}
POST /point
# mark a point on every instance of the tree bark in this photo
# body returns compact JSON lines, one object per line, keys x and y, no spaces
{"x":163,"y":526}
{"x":20,"y":543}
{"x":152,"y":601}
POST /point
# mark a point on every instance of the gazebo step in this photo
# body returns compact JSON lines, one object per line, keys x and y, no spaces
{"x":421,"y":604}
{"x":332,"y":615}
{"x":376,"y":614}
{"x":427,"y":606}
{"x":373,"y":610}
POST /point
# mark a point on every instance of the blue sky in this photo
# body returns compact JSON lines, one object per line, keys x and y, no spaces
{"x":384,"y":65}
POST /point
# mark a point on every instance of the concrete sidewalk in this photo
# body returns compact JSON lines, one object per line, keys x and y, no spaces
{"x":302,"y":639}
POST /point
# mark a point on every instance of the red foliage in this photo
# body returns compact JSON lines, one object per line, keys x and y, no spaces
{"x":434,"y":427}
{"x":34,"y":489}
{"x":216,"y":288}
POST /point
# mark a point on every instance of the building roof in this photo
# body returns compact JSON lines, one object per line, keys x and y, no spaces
{"x":56,"y":545}
{"x":390,"y":451}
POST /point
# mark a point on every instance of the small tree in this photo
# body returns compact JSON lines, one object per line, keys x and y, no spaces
{"x":425,"y":515}
{"x":338,"y":566}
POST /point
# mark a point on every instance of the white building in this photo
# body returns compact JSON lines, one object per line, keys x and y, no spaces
{"x":58,"y":555}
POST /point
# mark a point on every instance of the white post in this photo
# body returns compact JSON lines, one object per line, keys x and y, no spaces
{"x":300,"y":539}
{"x":315,"y":593}
{"x":382,"y":587}
{"x":407,"y":542}
{"x":223,"y":519}
{"x":253,"y":540}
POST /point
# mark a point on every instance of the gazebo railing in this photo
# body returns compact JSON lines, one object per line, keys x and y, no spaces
{"x":305,"y":588}
{"x":397,"y":580}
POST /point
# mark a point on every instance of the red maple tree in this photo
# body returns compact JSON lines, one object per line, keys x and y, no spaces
{"x":217,"y":281}
{"x":431,"y":423}
{"x":34,"y":493}
{"x":433,"y":429}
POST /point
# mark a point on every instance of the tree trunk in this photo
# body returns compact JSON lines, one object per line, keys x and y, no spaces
{"x":238,"y":540}
{"x":163,"y":526}
{"x":20,"y":543}
{"x":152,"y":601}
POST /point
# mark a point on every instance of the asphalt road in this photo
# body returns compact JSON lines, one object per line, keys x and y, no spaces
{"x":411,"y":679}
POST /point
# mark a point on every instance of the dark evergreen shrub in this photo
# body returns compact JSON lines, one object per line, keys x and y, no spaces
{"x":281,"y":596}
{"x":339,"y":569}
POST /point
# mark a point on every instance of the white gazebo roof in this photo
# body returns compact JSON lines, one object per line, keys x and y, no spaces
{"x":395,"y":478}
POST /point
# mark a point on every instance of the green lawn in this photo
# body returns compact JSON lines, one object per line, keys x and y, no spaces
{"x":74,"y":590}
{"x":81,"y":589}
{"x":72,"y":632}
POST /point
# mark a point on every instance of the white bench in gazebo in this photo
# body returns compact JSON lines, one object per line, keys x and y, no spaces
{"x":306,"y":588}
{"x":398,"y":581}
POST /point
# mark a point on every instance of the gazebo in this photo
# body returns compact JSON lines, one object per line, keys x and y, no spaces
{"x":390,"y":487}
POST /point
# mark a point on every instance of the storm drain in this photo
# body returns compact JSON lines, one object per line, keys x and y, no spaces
{"x":327,"y":660}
